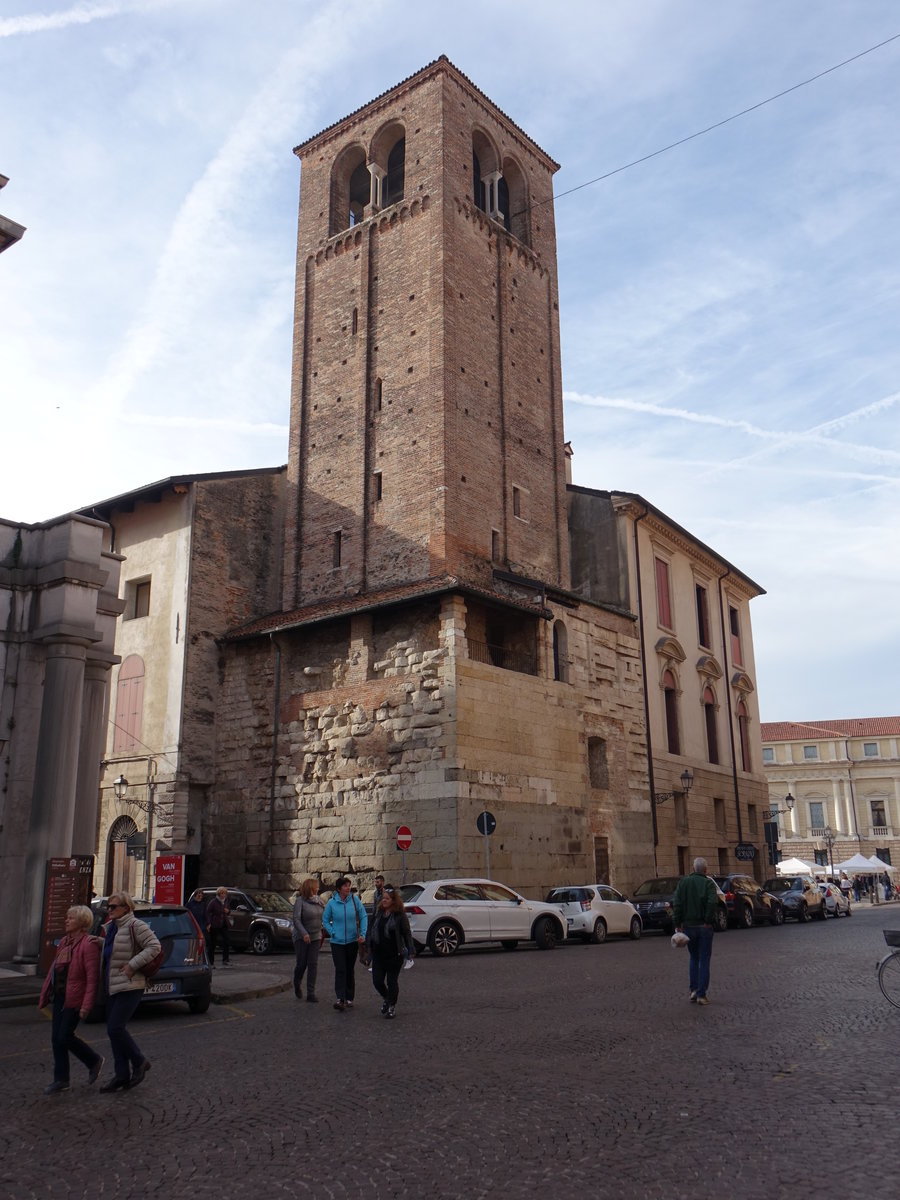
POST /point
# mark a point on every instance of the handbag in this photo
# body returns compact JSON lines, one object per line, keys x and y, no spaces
{"x":365,"y":955}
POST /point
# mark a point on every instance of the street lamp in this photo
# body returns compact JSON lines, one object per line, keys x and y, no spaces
{"x":775,"y":811}
{"x":687,"y":782}
{"x":120,"y":787}
{"x":829,"y":839}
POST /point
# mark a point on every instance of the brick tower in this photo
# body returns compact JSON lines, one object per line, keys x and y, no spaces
{"x":426,"y":412}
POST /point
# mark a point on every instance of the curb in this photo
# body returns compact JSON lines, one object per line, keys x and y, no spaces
{"x":250,"y":993}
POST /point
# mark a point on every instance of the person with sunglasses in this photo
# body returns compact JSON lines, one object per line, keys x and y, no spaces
{"x":129,"y":945}
{"x":390,"y":942}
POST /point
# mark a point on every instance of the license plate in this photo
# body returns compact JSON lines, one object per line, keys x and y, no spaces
{"x":159,"y":989}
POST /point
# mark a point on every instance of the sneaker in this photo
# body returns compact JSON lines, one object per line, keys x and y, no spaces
{"x":348,"y":1003}
{"x":703,"y":999}
{"x":390,"y":1013}
{"x":56,"y":1086}
{"x":693,"y":997}
{"x":339,"y":1005}
{"x":384,"y":1008}
{"x":94,"y":1072}
{"x":115,"y":1084}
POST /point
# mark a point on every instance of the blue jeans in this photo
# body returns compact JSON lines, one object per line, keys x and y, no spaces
{"x":64,"y":1041}
{"x":700,"y":940}
{"x":120,"y":1008}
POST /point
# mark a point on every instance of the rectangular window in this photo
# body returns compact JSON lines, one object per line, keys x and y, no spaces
{"x":142,"y":599}
{"x":712,"y":737}
{"x":598,"y":768}
{"x":703,"y":632}
{"x":752,"y":818}
{"x":673,"y":741}
{"x":681,"y":814}
{"x":601,"y":859}
{"x":663,"y":603}
{"x":879,"y":815}
{"x":816,"y":818}
{"x":495,"y":545}
{"x":735,"y":623}
{"x":336,"y":548}
{"x":379,"y":492}
{"x":870,"y":749}
{"x":768,"y":754}
{"x":517,"y":502}
{"x":723,"y":861}
{"x":810,"y":752}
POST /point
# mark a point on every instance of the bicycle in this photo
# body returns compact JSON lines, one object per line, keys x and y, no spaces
{"x":888,"y":969}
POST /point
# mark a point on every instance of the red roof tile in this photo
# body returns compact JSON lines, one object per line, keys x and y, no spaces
{"x":798,"y":731}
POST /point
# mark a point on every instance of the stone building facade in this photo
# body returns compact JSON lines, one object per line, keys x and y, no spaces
{"x":844,"y":776}
{"x":58,"y":608}
{"x":200,"y":554}
{"x":701,"y":706}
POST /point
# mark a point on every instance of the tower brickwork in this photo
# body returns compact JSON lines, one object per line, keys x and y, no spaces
{"x":426,"y":413}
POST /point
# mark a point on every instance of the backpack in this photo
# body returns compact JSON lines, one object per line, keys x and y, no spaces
{"x":150,"y":968}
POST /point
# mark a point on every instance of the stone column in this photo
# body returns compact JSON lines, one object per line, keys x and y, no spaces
{"x":376,"y":189}
{"x":453,"y":626}
{"x":95,"y":710}
{"x":56,"y":772}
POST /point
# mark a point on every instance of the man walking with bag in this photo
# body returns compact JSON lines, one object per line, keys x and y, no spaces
{"x":694,"y":911}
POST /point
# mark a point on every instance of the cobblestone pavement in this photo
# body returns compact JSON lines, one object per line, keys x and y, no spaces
{"x":578,"y":1073}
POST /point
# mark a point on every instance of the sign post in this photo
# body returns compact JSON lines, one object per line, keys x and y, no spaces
{"x":404,"y":841}
{"x":168,"y":884}
{"x":486,"y":823}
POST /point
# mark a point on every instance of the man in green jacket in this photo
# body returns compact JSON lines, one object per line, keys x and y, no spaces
{"x":694,"y":911}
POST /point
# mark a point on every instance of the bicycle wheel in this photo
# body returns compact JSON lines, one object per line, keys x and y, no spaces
{"x":889,"y":979}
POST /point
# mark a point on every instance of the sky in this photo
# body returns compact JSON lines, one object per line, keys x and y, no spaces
{"x":729,"y":308}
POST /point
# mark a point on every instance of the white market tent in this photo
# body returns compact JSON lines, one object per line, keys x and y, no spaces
{"x":878,"y":866}
{"x":859,"y":865}
{"x":796,"y":866}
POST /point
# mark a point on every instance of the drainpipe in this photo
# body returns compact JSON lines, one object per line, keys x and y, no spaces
{"x":734,"y":775}
{"x":275,"y":707}
{"x":640,"y":600}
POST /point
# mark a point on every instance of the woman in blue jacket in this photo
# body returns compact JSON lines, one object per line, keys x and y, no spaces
{"x":345,"y":922}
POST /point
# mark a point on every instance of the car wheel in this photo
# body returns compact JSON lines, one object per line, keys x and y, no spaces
{"x":804,"y":913}
{"x":599,"y":932}
{"x":260,"y":940}
{"x":747,"y":917}
{"x":721,"y":919}
{"x":198,"y":1004}
{"x":635,"y":929}
{"x":444,"y":939}
{"x":546,"y":933}
{"x":777,"y":917}
{"x":509,"y":944}
{"x":824,"y":913}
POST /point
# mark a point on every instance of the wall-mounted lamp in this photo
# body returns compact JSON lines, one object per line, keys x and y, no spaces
{"x":120,"y":787}
{"x":789,"y":807}
{"x":687,"y":782}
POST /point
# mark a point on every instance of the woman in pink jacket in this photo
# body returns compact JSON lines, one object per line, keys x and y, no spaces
{"x":72,"y":985}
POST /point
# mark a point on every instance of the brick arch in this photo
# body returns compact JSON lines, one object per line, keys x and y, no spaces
{"x":387,"y":150}
{"x":514,"y":201}
{"x":485,"y":161}
{"x":350,"y":189}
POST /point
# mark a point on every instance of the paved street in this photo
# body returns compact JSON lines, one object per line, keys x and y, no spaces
{"x":578,"y":1073}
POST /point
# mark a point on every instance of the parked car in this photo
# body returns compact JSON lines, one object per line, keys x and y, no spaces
{"x":185,"y":973}
{"x":836,"y":902}
{"x":799,"y":896}
{"x":748,"y":902}
{"x":653,"y":900}
{"x":445,"y":914}
{"x":593,"y":910}
{"x":260,"y":921}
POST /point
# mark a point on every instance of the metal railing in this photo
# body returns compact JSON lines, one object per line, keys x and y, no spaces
{"x":503,"y":657}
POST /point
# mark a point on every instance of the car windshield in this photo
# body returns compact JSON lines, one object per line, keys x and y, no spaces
{"x":169,"y":923}
{"x":778,"y":886}
{"x":567,"y":896}
{"x":270,"y":901}
{"x":658,"y":887}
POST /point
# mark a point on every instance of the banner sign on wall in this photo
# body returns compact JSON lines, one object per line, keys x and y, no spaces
{"x":169,"y":879}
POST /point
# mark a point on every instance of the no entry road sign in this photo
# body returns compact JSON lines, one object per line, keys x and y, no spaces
{"x":404,"y":837}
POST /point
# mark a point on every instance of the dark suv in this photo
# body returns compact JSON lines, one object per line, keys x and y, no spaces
{"x":748,"y":902}
{"x":259,"y":921}
{"x":653,"y":900}
{"x":799,"y":896}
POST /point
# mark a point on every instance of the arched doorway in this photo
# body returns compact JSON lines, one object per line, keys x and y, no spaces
{"x":122,"y":864}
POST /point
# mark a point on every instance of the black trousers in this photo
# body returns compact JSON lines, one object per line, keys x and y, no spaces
{"x":214,"y":936}
{"x":344,"y":959}
{"x":65,"y":1041}
{"x":386,"y":976}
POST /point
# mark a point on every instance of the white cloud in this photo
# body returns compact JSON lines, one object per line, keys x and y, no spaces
{"x":78,"y":14}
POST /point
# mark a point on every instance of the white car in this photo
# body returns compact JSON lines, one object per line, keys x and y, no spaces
{"x":836,"y":902}
{"x":593,"y":910}
{"x":444,"y":914}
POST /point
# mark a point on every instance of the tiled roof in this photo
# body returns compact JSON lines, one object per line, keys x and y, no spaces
{"x":799,"y":731}
{"x":345,"y":606}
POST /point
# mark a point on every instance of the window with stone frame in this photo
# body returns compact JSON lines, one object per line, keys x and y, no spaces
{"x":670,"y":701}
{"x":704,"y":629}
{"x":663,"y":597}
{"x":744,"y":734}
{"x":129,"y":708}
{"x":709,"y":717}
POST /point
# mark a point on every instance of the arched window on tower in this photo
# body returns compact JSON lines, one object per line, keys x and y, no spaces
{"x":480,"y":196}
{"x":670,"y":697}
{"x":396,"y":173}
{"x":513,"y":201}
{"x":129,"y":704}
{"x":712,"y":737}
{"x":351,"y":187}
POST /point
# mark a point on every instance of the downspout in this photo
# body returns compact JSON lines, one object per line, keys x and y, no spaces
{"x":275,"y":707}
{"x":640,"y":600}
{"x":734,"y":775}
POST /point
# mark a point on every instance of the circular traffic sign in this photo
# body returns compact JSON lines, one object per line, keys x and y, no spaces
{"x":486,"y":822}
{"x":404,"y":837}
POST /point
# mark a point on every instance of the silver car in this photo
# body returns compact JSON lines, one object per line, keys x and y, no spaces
{"x":836,"y":901}
{"x":593,"y":910}
{"x":445,"y":914}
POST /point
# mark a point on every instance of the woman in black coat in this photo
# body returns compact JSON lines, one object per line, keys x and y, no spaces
{"x":390,"y":943}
